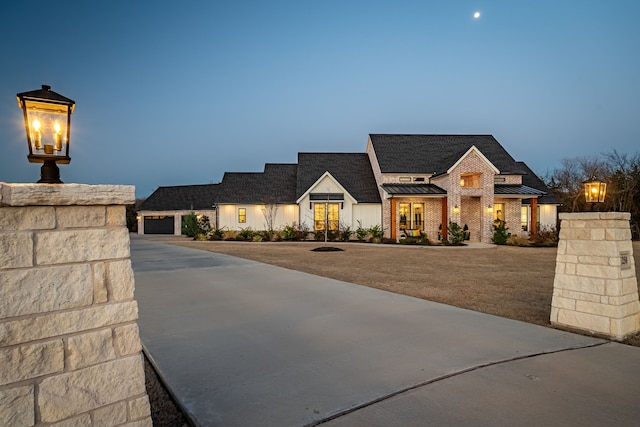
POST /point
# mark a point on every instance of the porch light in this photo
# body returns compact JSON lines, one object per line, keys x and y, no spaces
{"x":456,"y":209}
{"x":47,"y":121}
{"x":489,"y":209}
{"x":595,"y":190}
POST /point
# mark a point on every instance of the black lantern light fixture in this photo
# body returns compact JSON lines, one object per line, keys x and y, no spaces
{"x":47,"y":120}
{"x":594,"y":190}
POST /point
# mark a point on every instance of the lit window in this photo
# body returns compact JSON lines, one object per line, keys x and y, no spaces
{"x":320,"y":214}
{"x":498,"y":211}
{"x":524,"y":218}
{"x":242,"y":215}
{"x":404,"y":179}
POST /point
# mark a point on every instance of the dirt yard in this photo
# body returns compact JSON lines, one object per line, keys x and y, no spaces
{"x":507,"y":281}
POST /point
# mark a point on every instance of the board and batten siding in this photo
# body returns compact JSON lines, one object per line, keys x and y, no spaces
{"x":369,"y":214}
{"x":228,"y":216}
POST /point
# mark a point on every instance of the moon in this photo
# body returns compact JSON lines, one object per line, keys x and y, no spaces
{"x":476,"y":15}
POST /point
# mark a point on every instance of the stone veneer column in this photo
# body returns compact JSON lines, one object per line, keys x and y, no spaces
{"x":595,"y":287}
{"x":70,"y":353}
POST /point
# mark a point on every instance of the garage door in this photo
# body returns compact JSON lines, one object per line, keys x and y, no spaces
{"x":158,"y":225}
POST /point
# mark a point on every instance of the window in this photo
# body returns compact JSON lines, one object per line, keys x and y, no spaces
{"x":328,"y":211}
{"x":471,"y":180}
{"x":404,"y":179}
{"x":411,"y":215}
{"x":498,"y":211}
{"x":524,"y":218}
{"x":418,"y":179}
{"x":404,"y":215}
{"x":242,"y":215}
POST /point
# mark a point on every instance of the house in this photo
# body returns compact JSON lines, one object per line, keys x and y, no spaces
{"x":400,"y":182}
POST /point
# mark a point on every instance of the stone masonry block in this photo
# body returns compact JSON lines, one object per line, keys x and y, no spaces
{"x":31,"y":361}
{"x":16,"y":250}
{"x":599,"y":271}
{"x":79,"y":421}
{"x":65,"y":395}
{"x":596,"y":308}
{"x":621,"y":328}
{"x":89,"y":349}
{"x":583,"y":296}
{"x":629,"y":286}
{"x":575,"y":234}
{"x":613,"y":287}
{"x":139,"y":408}
{"x":561,"y":302}
{"x":116,"y":215}
{"x":66,"y":194}
{"x":17,"y":406}
{"x":100,"y":293}
{"x":66,"y":322}
{"x":585,"y":321}
{"x":80,"y":216}
{"x":147,"y":422}
{"x":591,"y":248}
{"x":594,"y":260}
{"x":61,"y":247}
{"x":127,"y":339}
{"x":581,"y":284}
{"x":33,"y":218}
{"x":121,"y":279}
{"x":40,"y":290}
{"x":617,"y":234}
{"x":110,"y":415}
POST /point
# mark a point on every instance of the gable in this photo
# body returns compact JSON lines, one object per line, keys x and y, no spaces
{"x":327,"y":188}
{"x":471,"y":152}
{"x":351,"y":170}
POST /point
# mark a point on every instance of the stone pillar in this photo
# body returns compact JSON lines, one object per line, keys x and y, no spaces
{"x":70,"y":353}
{"x":595,"y":287}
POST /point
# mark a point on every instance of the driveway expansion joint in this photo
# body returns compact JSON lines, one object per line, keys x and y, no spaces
{"x":445,"y":377}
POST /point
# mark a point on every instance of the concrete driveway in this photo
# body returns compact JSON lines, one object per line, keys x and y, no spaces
{"x":242,"y":343}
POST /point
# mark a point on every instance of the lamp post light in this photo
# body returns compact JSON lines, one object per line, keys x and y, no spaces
{"x":594,"y":190}
{"x":47,"y":121}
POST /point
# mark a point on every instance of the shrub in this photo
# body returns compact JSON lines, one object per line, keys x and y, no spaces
{"x":361,"y":232}
{"x":289,"y":232}
{"x":515,"y":240}
{"x":246,"y":234}
{"x":545,"y":236}
{"x":216,"y":234}
{"x":455,"y":235}
{"x":500,"y":233}
{"x":376,"y":233}
{"x":192,"y":226}
{"x":345,"y":233}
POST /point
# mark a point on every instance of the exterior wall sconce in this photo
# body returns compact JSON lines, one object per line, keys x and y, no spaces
{"x":47,"y":121}
{"x":595,"y":190}
{"x":455,"y":209}
{"x":489,"y":209}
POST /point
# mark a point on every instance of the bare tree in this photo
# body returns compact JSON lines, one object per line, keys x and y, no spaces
{"x":270,"y":211}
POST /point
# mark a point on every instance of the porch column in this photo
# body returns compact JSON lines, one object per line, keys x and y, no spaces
{"x":445,"y":218}
{"x":533,"y":229}
{"x":393,"y":218}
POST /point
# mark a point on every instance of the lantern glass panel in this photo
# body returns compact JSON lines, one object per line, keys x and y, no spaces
{"x":48,"y":131}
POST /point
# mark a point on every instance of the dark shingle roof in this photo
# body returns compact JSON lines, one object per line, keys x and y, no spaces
{"x":181,"y":197}
{"x":352,"y":170}
{"x":413,"y":189}
{"x":427,"y":154}
{"x":277,"y":184}
{"x":532,"y":180}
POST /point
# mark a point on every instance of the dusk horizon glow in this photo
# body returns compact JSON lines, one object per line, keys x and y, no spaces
{"x":177,"y":94}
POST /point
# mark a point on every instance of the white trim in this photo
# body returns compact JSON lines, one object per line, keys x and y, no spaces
{"x":324,"y":175}
{"x":482,"y":156}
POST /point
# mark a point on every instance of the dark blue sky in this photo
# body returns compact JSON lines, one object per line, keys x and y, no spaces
{"x":173,"y":93}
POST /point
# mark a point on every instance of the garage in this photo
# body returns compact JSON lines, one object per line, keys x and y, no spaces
{"x":159,"y":225}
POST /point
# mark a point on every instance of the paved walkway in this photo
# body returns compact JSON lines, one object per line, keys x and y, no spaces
{"x":242,"y":343}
